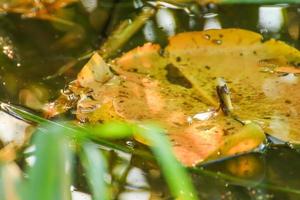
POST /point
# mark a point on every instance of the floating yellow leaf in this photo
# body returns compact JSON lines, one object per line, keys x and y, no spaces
{"x":177,"y":87}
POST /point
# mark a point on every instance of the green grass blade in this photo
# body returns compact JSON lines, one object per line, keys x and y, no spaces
{"x":2,"y":183}
{"x":180,"y":185}
{"x":80,"y":133}
{"x":243,"y":182}
{"x":111,"y":130}
{"x":50,"y":176}
{"x":29,"y":117}
{"x":175,"y":174}
{"x":95,"y":167}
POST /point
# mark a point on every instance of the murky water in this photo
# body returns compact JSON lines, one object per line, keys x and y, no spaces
{"x":32,"y":52}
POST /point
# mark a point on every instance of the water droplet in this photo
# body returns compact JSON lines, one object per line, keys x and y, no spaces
{"x":290,"y":145}
{"x":264,"y":31}
{"x":190,"y":120}
{"x":207,"y":36}
{"x":218,"y":42}
{"x":130,"y":143}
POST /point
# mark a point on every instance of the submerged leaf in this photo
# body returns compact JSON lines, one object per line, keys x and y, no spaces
{"x":176,"y":86}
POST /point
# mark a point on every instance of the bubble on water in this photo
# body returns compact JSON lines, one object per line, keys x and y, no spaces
{"x":207,"y":36}
{"x":190,"y":120}
{"x":211,"y":21}
{"x":218,"y":42}
{"x":130,"y":143}
{"x":7,"y":47}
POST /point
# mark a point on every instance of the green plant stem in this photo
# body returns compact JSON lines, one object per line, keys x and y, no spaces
{"x":219,"y":175}
{"x":175,"y":174}
{"x":50,"y":176}
{"x":124,"y":32}
{"x":76,"y":132}
{"x":180,"y":185}
{"x":95,"y":166}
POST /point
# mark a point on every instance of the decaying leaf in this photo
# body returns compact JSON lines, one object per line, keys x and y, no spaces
{"x":36,"y":9}
{"x":176,"y":86}
{"x":249,"y":66}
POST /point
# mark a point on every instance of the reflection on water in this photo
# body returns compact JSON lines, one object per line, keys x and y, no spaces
{"x":211,"y":21}
{"x":7,"y":47}
{"x":272,"y":18}
{"x":253,"y":176}
{"x":166,"y":21}
{"x":136,"y":186}
{"x":80,"y":196}
{"x":12,"y":129}
{"x":47,"y":46}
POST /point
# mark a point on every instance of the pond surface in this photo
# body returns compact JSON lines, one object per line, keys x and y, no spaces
{"x":33,"y":52}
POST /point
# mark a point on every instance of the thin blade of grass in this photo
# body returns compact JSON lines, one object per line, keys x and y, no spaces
{"x":74,"y":131}
{"x":111,"y":130}
{"x":243,"y":182}
{"x":180,"y":185}
{"x":175,"y":174}
{"x":95,"y":167}
{"x":50,"y":175}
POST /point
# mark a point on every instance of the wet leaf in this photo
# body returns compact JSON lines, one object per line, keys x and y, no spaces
{"x":147,"y":91}
{"x":37,"y":9}
{"x":180,"y":185}
{"x":94,"y":72}
{"x":247,"y":64}
{"x":245,"y":140}
{"x":176,"y":86}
